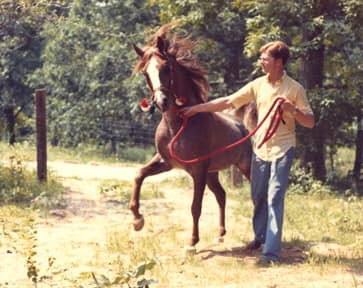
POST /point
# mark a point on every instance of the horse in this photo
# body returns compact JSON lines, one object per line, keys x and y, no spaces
{"x":176,"y":79}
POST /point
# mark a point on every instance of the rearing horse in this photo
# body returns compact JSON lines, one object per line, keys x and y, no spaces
{"x":175,"y":79}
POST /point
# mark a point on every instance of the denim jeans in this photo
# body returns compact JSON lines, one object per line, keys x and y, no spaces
{"x":268,"y":185}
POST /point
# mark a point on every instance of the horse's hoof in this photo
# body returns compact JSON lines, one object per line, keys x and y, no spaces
{"x":190,"y":251}
{"x":220,"y":239}
{"x":138,"y":223}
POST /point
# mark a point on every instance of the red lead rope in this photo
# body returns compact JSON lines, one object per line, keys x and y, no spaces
{"x":274,"y":124}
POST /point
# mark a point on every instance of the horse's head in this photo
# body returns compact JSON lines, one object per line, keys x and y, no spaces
{"x":158,"y":70}
{"x":172,"y":74}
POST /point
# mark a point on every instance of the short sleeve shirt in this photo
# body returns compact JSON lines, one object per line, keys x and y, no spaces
{"x":264,"y":93}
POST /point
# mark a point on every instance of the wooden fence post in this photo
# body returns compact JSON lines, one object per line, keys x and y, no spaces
{"x":41,"y":132}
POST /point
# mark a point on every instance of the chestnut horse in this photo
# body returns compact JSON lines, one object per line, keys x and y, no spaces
{"x":175,"y":79}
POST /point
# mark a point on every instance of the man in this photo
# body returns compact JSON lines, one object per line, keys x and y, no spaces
{"x":271,"y":163}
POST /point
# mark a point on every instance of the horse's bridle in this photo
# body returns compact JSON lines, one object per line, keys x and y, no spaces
{"x":179,"y":101}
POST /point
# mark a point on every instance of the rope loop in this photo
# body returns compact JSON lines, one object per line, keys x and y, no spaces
{"x":274,"y":124}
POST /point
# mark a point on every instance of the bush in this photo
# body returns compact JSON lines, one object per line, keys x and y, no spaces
{"x":20,"y":186}
{"x":302,"y":181}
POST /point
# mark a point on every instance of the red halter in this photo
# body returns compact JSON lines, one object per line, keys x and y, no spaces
{"x":146,"y":104}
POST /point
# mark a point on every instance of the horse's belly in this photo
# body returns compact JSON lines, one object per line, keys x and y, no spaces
{"x":226,"y":159}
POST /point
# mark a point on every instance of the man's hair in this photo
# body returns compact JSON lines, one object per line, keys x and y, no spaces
{"x":277,"y":49}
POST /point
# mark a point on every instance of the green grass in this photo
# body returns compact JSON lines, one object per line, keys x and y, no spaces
{"x":18,"y":185}
{"x":83,"y":153}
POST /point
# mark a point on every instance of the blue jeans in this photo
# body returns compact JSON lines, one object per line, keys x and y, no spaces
{"x":268,"y":185}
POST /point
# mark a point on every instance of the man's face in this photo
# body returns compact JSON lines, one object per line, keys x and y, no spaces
{"x":267,"y":63}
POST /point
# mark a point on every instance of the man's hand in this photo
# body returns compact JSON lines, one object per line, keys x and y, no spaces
{"x":189,"y":111}
{"x":304,"y":119}
{"x":287,"y":107}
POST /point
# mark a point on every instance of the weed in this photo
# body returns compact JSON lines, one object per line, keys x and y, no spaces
{"x":18,"y":185}
{"x":132,"y":277}
{"x":116,"y":190}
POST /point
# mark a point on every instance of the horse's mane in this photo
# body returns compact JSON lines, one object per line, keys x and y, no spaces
{"x":181,"y":49}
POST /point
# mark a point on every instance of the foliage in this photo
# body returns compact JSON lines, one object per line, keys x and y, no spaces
{"x":128,"y":277}
{"x":220,"y":29}
{"x":308,"y":26}
{"x":302,"y":182}
{"x":91,"y":94}
{"x":18,"y":185}
{"x":20,"y":49}
{"x":81,"y":52}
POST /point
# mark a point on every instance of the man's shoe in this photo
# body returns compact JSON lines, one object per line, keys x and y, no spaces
{"x":266,"y":262}
{"x":253,"y":245}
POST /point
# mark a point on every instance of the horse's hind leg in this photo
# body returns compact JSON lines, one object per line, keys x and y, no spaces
{"x":155,"y":166}
{"x":215,"y":186}
{"x":245,"y":167}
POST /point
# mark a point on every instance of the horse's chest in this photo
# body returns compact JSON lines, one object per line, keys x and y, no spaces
{"x":163,"y":137}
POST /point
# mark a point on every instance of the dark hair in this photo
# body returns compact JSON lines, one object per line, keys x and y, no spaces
{"x":277,"y":49}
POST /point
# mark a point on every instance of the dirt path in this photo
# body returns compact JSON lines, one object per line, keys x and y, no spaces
{"x":70,"y":241}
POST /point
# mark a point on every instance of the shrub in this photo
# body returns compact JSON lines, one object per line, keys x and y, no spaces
{"x":21,"y":186}
{"x":302,"y":181}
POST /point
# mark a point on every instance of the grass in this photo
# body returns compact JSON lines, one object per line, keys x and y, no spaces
{"x":18,"y":185}
{"x":19,"y":235}
{"x":83,"y":153}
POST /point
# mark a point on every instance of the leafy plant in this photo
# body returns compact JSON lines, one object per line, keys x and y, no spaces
{"x":19,"y":185}
{"x":132,"y":278}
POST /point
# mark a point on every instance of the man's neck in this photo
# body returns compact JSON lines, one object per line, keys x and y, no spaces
{"x":275,"y":76}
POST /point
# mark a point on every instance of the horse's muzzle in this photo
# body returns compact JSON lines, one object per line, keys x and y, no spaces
{"x":161,"y":101}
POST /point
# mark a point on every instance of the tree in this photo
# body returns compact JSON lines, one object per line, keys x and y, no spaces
{"x":20,"y":49}
{"x":88,"y":60}
{"x":318,"y":32}
{"x":220,"y":29}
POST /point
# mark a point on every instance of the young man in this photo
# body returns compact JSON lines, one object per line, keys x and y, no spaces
{"x":272,"y":162}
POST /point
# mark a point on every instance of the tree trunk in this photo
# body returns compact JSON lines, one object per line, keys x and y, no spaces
{"x":10,"y":123}
{"x":358,"y":151}
{"x":312,"y":65}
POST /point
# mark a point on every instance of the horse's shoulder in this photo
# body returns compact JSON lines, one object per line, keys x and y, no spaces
{"x":229,"y":116}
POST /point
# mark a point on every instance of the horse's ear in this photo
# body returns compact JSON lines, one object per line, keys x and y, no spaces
{"x":161,"y":45}
{"x":138,"y":50}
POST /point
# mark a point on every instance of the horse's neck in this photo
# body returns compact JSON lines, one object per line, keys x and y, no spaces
{"x":183,"y":88}
{"x":186,"y":88}
{"x":171,"y":117}
{"x":172,"y":121}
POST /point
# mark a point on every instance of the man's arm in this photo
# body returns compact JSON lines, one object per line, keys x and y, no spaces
{"x":215,"y":105}
{"x":305,"y":119}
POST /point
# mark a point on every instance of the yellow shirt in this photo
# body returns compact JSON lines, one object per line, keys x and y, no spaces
{"x":264,"y":94}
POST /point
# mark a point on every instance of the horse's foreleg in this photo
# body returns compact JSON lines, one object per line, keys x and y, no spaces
{"x":199,"y":186}
{"x":218,"y":191}
{"x":155,"y":166}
